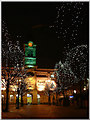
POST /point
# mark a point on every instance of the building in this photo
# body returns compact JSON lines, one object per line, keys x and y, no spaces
{"x":37,"y":92}
{"x":39,"y":83}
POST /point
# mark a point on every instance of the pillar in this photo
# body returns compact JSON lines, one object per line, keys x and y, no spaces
{"x":34,"y":100}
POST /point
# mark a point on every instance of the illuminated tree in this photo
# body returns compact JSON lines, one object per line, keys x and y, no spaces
{"x":65,"y":76}
{"x":74,"y":69}
{"x":70,"y":18}
{"x":12,"y":61}
{"x":49,"y":88}
{"x":78,"y":59}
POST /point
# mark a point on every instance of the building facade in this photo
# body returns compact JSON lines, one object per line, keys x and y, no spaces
{"x":38,"y":88}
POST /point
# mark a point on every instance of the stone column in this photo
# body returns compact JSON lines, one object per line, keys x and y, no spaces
{"x":14,"y":97}
{"x":25,"y":99}
{"x":34,"y":100}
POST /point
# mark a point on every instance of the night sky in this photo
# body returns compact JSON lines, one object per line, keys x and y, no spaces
{"x":52,"y":26}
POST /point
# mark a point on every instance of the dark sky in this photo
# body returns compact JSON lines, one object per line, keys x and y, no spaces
{"x":32,"y":21}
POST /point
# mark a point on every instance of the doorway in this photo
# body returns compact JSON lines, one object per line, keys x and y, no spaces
{"x":29,"y":99}
{"x":38,"y":98}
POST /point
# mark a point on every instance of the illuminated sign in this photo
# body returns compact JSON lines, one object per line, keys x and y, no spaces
{"x":30,"y":52}
{"x":30,"y":82}
{"x":30,"y":61}
{"x":51,"y":84}
{"x":41,"y":84}
{"x":3,"y":88}
{"x":13,"y":87}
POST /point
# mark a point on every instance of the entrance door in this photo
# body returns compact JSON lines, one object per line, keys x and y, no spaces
{"x":38,"y":98}
{"x":29,"y":99}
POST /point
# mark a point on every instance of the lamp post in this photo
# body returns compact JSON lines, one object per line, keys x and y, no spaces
{"x":7,"y":93}
{"x":22,"y":84}
{"x":57,"y":94}
{"x":17,"y":100}
{"x":17,"y":107}
{"x":21,"y":93}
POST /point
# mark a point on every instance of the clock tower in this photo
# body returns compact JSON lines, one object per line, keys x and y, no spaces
{"x":30,"y":55}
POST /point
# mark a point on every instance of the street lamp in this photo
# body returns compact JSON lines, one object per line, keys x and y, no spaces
{"x":17,"y":99}
{"x":75,"y":91}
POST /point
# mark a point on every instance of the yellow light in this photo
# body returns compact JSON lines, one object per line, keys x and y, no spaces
{"x":2,"y":96}
{"x":74,"y":91}
{"x":13,"y":88}
{"x":48,"y":81}
{"x":41,"y":88}
{"x":30,"y":82}
{"x":29,"y":95}
{"x":38,"y":96}
{"x":30,"y":44}
{"x":61,"y":96}
{"x":84,"y":88}
{"x":41,"y":85}
{"x":11,"y":95}
{"x":3,"y":88}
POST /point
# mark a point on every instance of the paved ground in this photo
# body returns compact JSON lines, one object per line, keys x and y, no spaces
{"x":44,"y":112}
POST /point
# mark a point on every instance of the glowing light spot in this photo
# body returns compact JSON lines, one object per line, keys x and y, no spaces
{"x":74,"y":91}
{"x":30,"y":44}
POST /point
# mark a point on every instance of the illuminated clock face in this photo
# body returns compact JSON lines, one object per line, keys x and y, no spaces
{"x":30,"y":44}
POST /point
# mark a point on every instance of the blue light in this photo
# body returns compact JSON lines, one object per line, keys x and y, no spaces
{"x":71,"y":96}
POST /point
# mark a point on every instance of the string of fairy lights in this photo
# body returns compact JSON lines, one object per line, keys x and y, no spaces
{"x":12,"y":56}
{"x":74,"y":68}
{"x":70,"y":17}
